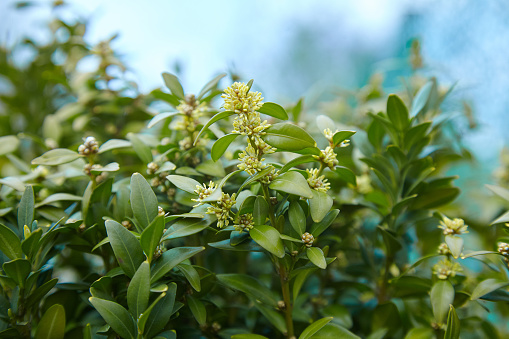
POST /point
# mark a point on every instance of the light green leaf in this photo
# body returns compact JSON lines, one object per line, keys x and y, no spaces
{"x":116,"y":316}
{"x":316,"y":256}
{"x":59,"y":197}
{"x":10,"y":245}
{"x":26,"y":208}
{"x":8,"y":144}
{"x":56,"y":156}
{"x":453,"y":325}
{"x":421,"y":98}
{"x":303,"y":159}
{"x":214,"y":119}
{"x":139,"y":290}
{"x":141,"y":149}
{"x":420,"y":333}
{"x":248,"y":285}
{"x":210,"y":85}
{"x":500,"y":191}
{"x":288,"y":137}
{"x":211,"y":168}
{"x":333,"y":331}
{"x":160,"y":117}
{"x":198,"y":309}
{"x":143,"y":200}
{"x":151,"y":236}
{"x":442,"y":295}
{"x":170,"y":259}
{"x":293,"y":183}
{"x":126,"y":247}
{"x":221,"y":144}
{"x":455,"y":244}
{"x":323,"y":122}
{"x":487,"y":286}
{"x":341,"y":136}
{"x":397,"y":112}
{"x":269,"y":238}
{"x":173,"y":84}
{"x":320,"y":205}
{"x":314,"y":327}
{"x":321,"y":226}
{"x":297,"y":217}
{"x":52,"y":323}
{"x":346,"y":175}
{"x":260,"y":210}
{"x":111,"y":167}
{"x":274,"y":110}
{"x":502,"y":219}
{"x":184,"y":183}
{"x":248,"y":336}
{"x":113,"y":144}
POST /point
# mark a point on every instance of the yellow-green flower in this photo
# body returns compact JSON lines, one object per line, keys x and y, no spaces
{"x":328,"y":157}
{"x":237,"y":98}
{"x":455,"y":226}
{"x":443,"y":249}
{"x":203,"y":192}
{"x":222,"y":209}
{"x":249,"y":161}
{"x":316,"y":182}
{"x":446,"y":268}
{"x":244,"y":222}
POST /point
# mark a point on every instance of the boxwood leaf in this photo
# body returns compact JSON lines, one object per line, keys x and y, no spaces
{"x":210,"y":85}
{"x":274,"y":110}
{"x":161,"y":312}
{"x":316,"y":256}
{"x":221,"y":144}
{"x":184,"y":183}
{"x":151,"y":236}
{"x":214,"y":119}
{"x":248,"y":285}
{"x":52,"y":323}
{"x":170,"y":259}
{"x":191,"y":275}
{"x":173,"y":84}
{"x":126,"y":247}
{"x":140,"y":148}
{"x":10,"y":245}
{"x":26,"y":208}
{"x":487,"y":286}
{"x":116,"y":316}
{"x":18,"y":270}
{"x":160,"y":117}
{"x":297,"y":217}
{"x":139,"y":290}
{"x":268,"y":238}
{"x":333,"y":331}
{"x":114,"y":144}
{"x":319,"y":227}
{"x":293,"y":183}
{"x":341,"y":136}
{"x":453,"y":325}
{"x":56,"y":156}
{"x":297,"y":161}
{"x":314,"y":327}
{"x":442,"y":295}
{"x":197,"y":309}
{"x":421,"y":98}
{"x":397,"y":112}
{"x":288,"y":137}
{"x":260,"y":210}
{"x":142,"y":321}
{"x":8,"y":144}
{"x":143,"y":200}
{"x":320,"y":205}
{"x":455,"y":244}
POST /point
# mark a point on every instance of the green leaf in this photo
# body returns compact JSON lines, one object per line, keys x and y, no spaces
{"x":248,"y":285}
{"x":320,"y":205}
{"x":500,"y":191}
{"x":198,"y":309}
{"x":52,"y":323}
{"x":248,"y":336}
{"x":453,"y":325}
{"x":140,"y":148}
{"x":173,"y":84}
{"x":142,"y":320}
{"x":26,"y":208}
{"x":30,"y":245}
{"x":341,"y":136}
{"x":340,"y":314}
{"x":303,"y":159}
{"x":40,"y":292}
{"x":160,"y":117}
{"x":253,"y":178}
{"x":321,"y":226}
{"x":415,"y":134}
{"x":260,"y":210}
{"x":297,"y":217}
{"x":210,"y":85}
{"x":111,"y":167}
{"x":8,"y":144}
{"x":191,"y":275}
{"x":161,"y":313}
{"x":314,"y":327}
{"x":420,"y":333}
{"x":139,"y":290}
{"x":323,"y":122}
{"x":116,"y":316}
{"x":292,"y":183}
{"x":183,"y":228}
{"x":487,"y":286}
{"x":455,"y":244}
{"x":211,"y":168}
{"x":477,"y":253}
{"x":333,"y":331}
{"x":288,"y":137}
{"x":442,"y":295}
{"x":10,"y":245}
{"x":346,"y":175}
{"x":268,"y":238}
{"x":58,"y":197}
{"x":274,"y":110}
{"x":184,"y":183}
{"x":18,"y":270}
{"x":151,"y":236}
{"x":273,"y":316}
{"x":245,"y":246}
{"x":392,"y":243}
{"x":221,"y":144}
{"x":114,"y":144}
{"x":214,"y":119}
{"x":397,"y":112}
{"x":502,"y":219}
{"x":316,"y":256}
{"x":170,"y":259}
{"x":143,"y":200}
{"x":421,"y":98}
{"x":126,"y":247}
{"x":56,"y":156}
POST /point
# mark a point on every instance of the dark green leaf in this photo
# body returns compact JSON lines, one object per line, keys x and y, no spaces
{"x":170,"y":259}
{"x":18,"y":270}
{"x":10,"y":245}
{"x":221,"y":145}
{"x":126,"y":247}
{"x":314,"y":327}
{"x":139,"y":290}
{"x":26,"y":208}
{"x":248,"y":285}
{"x":487,"y":286}
{"x":453,"y":325}
{"x":292,"y":183}
{"x":52,"y":323}
{"x":260,"y":210}
{"x":143,"y":200}
{"x":116,"y":316}
{"x":333,"y":331}
{"x":198,"y":309}
{"x":320,"y":205}
{"x":320,"y":227}
{"x":392,"y":244}
{"x":274,"y":110}
{"x":161,"y":312}
{"x":397,"y":112}
{"x":346,"y":175}
{"x":297,"y":217}
{"x":151,"y":236}
{"x":40,"y":292}
{"x":191,"y":275}
{"x":288,"y":137}
{"x":420,"y":333}
{"x":297,"y":161}
{"x":268,"y":238}
{"x":142,"y":321}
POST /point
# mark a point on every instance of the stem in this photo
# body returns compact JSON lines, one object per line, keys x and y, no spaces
{"x":382,"y":294}
{"x":272,"y":214}
{"x":285,"y":288}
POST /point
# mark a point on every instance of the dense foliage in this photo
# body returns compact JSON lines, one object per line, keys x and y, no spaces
{"x":219,"y":215}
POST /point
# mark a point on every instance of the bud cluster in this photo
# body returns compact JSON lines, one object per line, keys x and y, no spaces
{"x":90,"y":146}
{"x":244,"y":222}
{"x":308,"y":239}
{"x":316,"y":182}
{"x":446,"y":268}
